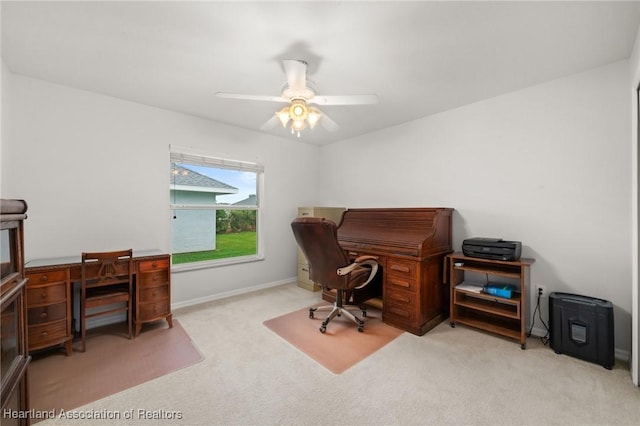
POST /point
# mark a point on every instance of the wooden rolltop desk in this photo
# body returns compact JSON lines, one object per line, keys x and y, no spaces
{"x":410,"y":244}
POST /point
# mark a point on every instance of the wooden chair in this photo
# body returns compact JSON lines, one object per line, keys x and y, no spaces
{"x":107,"y":281}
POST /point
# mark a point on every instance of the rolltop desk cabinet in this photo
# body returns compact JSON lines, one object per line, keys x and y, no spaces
{"x":410,"y":245}
{"x":14,"y":356}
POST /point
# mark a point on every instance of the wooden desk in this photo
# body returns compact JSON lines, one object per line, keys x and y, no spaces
{"x":50,"y":302}
{"x":410,"y":244}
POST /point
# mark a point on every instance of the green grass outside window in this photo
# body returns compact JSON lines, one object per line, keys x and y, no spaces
{"x":228,"y":245}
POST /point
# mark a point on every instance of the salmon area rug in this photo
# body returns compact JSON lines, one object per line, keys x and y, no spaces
{"x":342,"y":346}
{"x":112,"y":363}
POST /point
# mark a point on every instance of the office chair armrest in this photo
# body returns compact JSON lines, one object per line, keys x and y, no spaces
{"x":358,"y":263}
{"x":361,"y":259}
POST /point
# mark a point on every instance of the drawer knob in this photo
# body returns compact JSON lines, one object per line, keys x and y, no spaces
{"x":43,"y":315}
{"x":44,"y":278}
{"x":44,"y":334}
{"x":43,"y":295}
{"x":154,"y":265}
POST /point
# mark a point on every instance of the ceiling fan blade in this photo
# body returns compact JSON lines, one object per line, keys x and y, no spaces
{"x":241,"y":96}
{"x":271,"y":123}
{"x":328,"y":123}
{"x":344,"y":100}
{"x":296,"y":71}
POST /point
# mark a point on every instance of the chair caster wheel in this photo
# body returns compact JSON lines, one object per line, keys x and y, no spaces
{"x":323,"y":329}
{"x":452,"y":324}
{"x":523,"y":346}
{"x":361,"y":329}
{"x":364,"y":314}
{"x":311,"y":315}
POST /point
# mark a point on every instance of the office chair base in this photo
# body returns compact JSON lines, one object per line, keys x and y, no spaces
{"x":337,"y":311}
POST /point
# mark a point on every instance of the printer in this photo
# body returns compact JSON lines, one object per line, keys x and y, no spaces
{"x":492,"y":248}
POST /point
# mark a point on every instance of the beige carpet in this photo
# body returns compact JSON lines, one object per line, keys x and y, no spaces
{"x":342,"y":345}
{"x":448,"y":377}
{"x":111,"y":363}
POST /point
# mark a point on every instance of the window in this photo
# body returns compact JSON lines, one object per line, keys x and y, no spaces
{"x":215,"y":210}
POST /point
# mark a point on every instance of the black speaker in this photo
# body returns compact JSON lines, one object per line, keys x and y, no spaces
{"x":582,"y":327}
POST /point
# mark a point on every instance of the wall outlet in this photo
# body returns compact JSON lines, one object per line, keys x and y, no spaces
{"x":541,"y":290}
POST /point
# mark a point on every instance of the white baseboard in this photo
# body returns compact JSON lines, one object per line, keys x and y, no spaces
{"x":226,"y":294}
{"x":619,"y":354}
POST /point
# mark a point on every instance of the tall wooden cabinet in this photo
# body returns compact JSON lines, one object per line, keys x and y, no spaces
{"x":14,"y":356}
{"x":331,"y":213}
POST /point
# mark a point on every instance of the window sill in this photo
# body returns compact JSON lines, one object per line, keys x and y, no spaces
{"x":184,"y":267}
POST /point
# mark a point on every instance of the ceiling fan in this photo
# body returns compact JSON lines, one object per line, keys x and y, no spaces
{"x":300,"y":95}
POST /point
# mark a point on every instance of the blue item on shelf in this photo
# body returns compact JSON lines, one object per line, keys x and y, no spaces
{"x":500,"y":290}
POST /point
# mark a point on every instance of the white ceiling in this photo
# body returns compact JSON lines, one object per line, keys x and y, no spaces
{"x":420,"y":58}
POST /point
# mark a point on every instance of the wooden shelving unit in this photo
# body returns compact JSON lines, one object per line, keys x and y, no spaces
{"x":498,"y":315}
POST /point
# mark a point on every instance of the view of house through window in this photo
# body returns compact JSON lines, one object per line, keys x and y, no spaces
{"x":215,"y":209}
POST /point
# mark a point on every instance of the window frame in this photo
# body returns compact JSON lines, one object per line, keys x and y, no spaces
{"x":187,"y":156}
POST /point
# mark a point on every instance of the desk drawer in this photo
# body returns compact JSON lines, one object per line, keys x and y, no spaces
{"x":47,"y":277}
{"x":403,"y":268}
{"x":42,"y":334}
{"x":150,"y":311}
{"x":153,"y":279}
{"x":401,"y":283}
{"x":150,"y":265}
{"x":154,"y":294}
{"x":47,"y":313}
{"x":402,"y":305}
{"x":46,"y":295}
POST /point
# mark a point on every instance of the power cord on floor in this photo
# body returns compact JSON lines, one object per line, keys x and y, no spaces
{"x":544,"y":339}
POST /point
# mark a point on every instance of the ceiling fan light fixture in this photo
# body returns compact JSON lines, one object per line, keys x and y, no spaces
{"x":298,"y":125}
{"x":313,"y":117}
{"x":298,"y":109}
{"x":299,"y":115}
{"x":283,"y":116}
{"x":299,"y":93}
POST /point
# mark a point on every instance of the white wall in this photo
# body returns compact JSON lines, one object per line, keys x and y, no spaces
{"x":548,"y":166}
{"x":94,"y":172}
{"x":635,"y":208}
{"x":5,"y":102}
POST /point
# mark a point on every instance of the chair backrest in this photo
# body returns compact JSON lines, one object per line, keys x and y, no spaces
{"x":109,"y":268}
{"x":318,"y":240}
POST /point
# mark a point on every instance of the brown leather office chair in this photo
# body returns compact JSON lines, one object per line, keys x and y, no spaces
{"x":106,"y":287}
{"x":330,"y":267}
